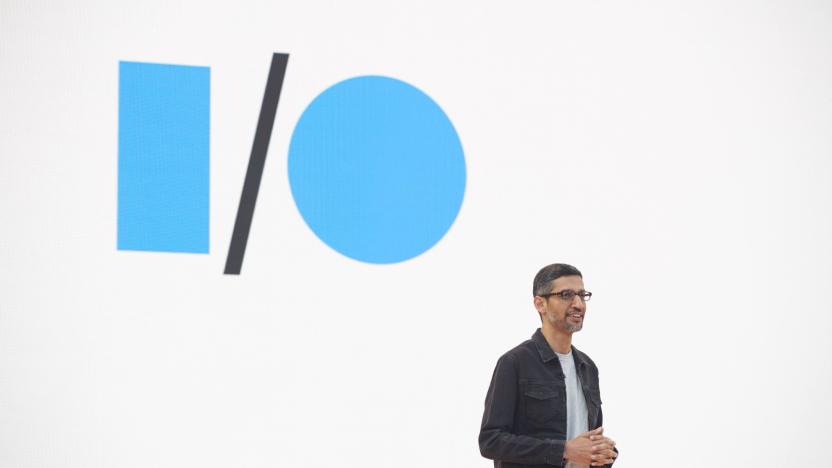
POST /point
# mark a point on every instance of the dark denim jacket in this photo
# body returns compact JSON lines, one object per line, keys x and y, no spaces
{"x":524,"y":422}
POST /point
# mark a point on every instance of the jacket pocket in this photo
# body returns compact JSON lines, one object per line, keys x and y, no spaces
{"x":545,"y":404}
{"x":593,"y":406}
{"x":594,"y":397}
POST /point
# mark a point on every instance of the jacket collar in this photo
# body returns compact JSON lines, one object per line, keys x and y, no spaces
{"x":547,"y":354}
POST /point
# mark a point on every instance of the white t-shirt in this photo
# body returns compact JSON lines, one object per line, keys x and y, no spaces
{"x":576,"y":411}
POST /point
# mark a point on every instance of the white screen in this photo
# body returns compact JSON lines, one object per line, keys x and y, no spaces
{"x":677,"y":153}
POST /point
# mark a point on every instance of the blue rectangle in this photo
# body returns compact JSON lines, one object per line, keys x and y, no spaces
{"x":163,"y":157}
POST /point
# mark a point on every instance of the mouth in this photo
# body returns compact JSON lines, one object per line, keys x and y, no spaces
{"x":576,"y":317}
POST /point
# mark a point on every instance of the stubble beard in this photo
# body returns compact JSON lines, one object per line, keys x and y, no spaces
{"x":564,"y":324}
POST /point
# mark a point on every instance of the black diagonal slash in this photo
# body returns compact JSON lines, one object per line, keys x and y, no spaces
{"x":251,"y":186}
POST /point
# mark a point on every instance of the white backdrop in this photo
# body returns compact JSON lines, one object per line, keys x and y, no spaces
{"x":677,"y":153}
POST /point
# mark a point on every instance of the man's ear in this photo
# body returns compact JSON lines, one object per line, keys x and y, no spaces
{"x":539,"y":304}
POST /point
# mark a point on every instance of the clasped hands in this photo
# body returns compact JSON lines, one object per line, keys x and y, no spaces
{"x":591,"y":448}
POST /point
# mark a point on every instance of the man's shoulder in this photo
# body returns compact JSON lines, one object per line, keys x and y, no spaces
{"x":521,"y":352}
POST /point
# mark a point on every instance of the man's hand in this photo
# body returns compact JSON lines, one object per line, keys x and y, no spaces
{"x":590,"y":448}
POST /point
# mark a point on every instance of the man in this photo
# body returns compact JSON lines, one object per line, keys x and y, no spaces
{"x":543,"y":407}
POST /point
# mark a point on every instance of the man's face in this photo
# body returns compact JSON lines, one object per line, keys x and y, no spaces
{"x":565,"y":316}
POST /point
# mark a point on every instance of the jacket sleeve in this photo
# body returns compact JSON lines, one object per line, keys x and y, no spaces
{"x":498,"y":439}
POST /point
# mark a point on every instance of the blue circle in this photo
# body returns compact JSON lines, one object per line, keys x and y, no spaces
{"x":376,"y":169}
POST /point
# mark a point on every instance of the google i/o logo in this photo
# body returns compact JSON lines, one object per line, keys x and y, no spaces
{"x":375,"y":166}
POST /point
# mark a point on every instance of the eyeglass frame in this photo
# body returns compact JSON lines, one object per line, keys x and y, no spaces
{"x":584,"y":295}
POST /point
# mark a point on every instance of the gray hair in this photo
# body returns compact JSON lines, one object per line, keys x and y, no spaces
{"x":542,"y":284}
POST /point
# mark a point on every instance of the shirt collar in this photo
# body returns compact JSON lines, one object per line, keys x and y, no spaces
{"x":546,"y":353}
{"x":543,"y":347}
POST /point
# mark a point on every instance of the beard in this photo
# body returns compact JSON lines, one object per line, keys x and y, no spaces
{"x":564,"y":323}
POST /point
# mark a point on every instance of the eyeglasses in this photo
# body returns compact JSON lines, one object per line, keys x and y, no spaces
{"x":568,"y":295}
